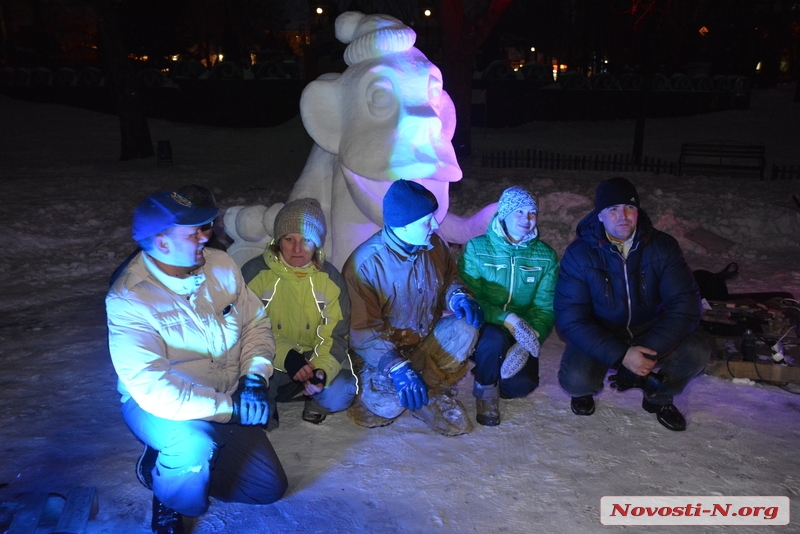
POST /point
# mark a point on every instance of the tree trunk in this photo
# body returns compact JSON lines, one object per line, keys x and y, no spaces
{"x":648,"y":79}
{"x":461,"y":39}
{"x":134,"y":130}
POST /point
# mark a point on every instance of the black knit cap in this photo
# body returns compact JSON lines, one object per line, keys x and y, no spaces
{"x":407,"y":201}
{"x":615,"y":191}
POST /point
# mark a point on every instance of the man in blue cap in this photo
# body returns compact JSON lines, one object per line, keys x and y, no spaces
{"x":626,"y":299}
{"x":193,"y":351}
{"x":413,"y":323}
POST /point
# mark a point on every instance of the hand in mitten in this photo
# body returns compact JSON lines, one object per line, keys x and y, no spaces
{"x":467,"y":308}
{"x":523,"y":333}
{"x":515,"y":361}
{"x":411,"y":388}
{"x":251,"y":401}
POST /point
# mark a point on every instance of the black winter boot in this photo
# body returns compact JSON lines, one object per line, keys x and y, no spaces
{"x":165,"y":520}
{"x":582,"y":405}
{"x":667,"y":414}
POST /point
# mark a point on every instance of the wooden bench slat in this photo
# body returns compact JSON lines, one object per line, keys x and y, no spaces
{"x":27,"y":518}
{"x":80,"y":506}
{"x":722,"y":156}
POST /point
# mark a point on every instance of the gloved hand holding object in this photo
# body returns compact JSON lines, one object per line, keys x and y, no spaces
{"x":515,"y":361}
{"x":411,"y":388}
{"x":523,"y":333}
{"x":467,"y":308}
{"x":625,"y":379}
{"x":251,"y":401}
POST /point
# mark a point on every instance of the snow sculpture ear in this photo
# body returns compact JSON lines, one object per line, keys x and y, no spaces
{"x":321,"y":111}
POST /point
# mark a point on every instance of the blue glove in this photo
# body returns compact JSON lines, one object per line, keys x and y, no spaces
{"x":251,"y":401}
{"x":411,"y":388}
{"x":468,"y":308}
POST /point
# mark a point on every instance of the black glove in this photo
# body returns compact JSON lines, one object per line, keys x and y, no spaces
{"x":319,"y":378}
{"x":467,"y":308}
{"x":294,"y":362}
{"x":251,"y":401}
{"x":625,"y":379}
{"x":411,"y":388}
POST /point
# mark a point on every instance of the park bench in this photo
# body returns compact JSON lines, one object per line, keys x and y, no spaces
{"x":722,"y":158}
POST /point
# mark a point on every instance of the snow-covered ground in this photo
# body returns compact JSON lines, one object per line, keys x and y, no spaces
{"x":65,"y":225}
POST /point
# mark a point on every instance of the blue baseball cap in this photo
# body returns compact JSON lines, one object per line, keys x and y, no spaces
{"x":163,"y":210}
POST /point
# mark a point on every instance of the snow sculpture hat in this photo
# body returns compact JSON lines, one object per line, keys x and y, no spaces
{"x":407,"y":201}
{"x":514,"y":198}
{"x":615,"y":191}
{"x":371,"y":36}
{"x":163,"y":210}
{"x":303,"y":216}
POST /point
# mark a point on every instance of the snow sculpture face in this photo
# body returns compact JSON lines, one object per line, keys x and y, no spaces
{"x":387,"y":116}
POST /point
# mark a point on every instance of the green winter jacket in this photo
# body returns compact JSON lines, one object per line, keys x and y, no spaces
{"x":507,"y":277}
{"x":308,"y":314}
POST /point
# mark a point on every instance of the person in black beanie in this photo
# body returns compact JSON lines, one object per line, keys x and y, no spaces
{"x":413,"y":323}
{"x":626,"y":299}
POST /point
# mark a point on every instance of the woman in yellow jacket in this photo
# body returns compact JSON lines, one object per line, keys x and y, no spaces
{"x":306,"y":300}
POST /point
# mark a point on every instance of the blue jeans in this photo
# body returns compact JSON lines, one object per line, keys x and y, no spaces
{"x":196,"y":459}
{"x":580,"y":374}
{"x":493,"y":344}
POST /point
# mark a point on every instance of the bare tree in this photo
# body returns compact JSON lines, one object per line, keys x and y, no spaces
{"x":465,"y":26}
{"x":134,"y":130}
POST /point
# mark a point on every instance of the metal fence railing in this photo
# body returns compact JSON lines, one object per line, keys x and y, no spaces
{"x":542,"y":159}
{"x":786,"y":171}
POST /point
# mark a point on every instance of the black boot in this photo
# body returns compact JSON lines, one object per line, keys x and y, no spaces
{"x":582,"y":405}
{"x":165,"y":520}
{"x":667,"y":414}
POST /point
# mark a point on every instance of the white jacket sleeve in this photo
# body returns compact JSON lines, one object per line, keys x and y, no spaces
{"x":258,"y":344}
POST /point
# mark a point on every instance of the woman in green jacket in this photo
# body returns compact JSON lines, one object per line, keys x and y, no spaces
{"x":512,"y":274}
{"x":306,"y":301}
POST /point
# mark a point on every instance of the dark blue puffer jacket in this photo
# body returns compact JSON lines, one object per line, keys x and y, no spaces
{"x":603,"y":301}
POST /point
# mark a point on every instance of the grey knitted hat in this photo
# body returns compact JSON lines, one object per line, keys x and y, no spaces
{"x":302,"y":216}
{"x":513,"y":198}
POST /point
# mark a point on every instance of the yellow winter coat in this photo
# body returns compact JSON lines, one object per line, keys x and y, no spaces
{"x":308,"y":307}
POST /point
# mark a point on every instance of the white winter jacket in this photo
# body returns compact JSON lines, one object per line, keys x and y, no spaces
{"x":179,"y":345}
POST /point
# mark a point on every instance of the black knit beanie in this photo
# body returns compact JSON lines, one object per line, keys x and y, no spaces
{"x":615,"y":191}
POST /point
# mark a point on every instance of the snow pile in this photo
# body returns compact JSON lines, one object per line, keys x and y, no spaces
{"x":65,"y":225}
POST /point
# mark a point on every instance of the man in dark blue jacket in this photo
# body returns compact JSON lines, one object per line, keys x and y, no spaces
{"x":626,"y":299}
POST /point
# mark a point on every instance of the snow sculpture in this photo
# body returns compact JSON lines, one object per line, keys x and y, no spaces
{"x":250,"y":227}
{"x":385,"y":118}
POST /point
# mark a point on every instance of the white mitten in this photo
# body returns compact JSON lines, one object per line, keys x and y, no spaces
{"x":523,"y":333}
{"x":516,"y":358}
